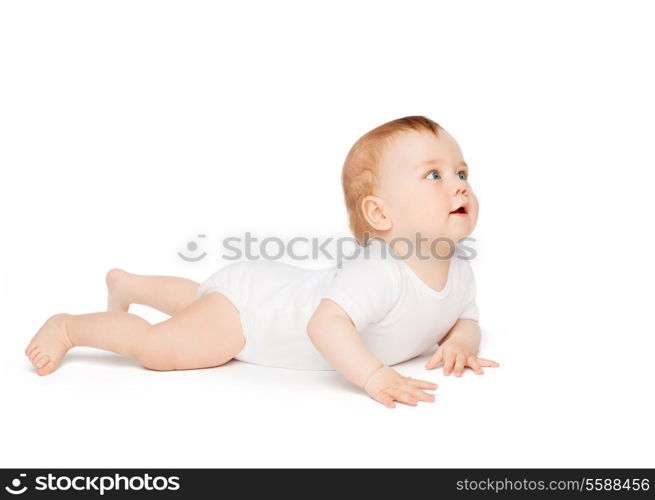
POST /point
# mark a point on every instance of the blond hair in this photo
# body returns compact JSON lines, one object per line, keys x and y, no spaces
{"x":360,"y":174}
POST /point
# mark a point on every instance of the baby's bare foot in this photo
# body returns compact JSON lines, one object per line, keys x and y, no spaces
{"x":115,"y":290}
{"x":49,"y":345}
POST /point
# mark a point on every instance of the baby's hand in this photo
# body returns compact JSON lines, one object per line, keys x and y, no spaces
{"x":460,"y":355}
{"x":386,"y":385}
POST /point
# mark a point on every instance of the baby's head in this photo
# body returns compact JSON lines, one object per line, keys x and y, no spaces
{"x":405,"y":177}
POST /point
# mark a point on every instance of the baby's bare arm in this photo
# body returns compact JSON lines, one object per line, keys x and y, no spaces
{"x":335,"y":336}
{"x":466,"y":331}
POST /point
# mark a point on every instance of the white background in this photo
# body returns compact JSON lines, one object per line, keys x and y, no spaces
{"x":127,"y":128}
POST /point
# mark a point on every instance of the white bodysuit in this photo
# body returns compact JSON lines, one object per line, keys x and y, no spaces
{"x":397,"y":315}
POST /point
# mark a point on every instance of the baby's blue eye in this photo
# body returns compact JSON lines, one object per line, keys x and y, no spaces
{"x":433,"y":172}
{"x":462,"y":175}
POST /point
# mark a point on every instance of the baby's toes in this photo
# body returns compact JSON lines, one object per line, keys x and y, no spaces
{"x":46,"y":369}
{"x":34,"y":353}
{"x":41,"y":360}
{"x":30,"y":349}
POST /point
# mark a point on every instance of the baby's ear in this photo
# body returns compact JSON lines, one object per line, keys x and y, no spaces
{"x":375,"y":213}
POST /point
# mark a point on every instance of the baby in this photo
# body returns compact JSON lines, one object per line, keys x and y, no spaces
{"x":406,"y":188}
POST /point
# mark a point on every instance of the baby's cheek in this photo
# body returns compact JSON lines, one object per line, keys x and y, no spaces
{"x":476,"y":208}
{"x":473,"y":200}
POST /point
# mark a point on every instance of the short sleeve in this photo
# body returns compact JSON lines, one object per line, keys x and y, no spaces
{"x":470,"y":308}
{"x":367,"y":289}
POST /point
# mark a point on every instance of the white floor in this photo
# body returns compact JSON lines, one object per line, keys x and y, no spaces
{"x":548,"y":405}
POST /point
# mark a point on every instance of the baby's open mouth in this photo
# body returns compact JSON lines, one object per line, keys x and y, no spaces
{"x":461,"y":210}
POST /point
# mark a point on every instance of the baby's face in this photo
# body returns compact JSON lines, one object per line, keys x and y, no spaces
{"x":423,"y":180}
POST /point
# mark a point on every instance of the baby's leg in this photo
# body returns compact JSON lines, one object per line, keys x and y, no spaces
{"x":168,"y":294}
{"x":207,"y":333}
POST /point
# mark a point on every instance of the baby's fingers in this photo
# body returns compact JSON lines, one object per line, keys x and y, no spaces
{"x":487,"y":362}
{"x":421,"y":395}
{"x":437,"y":357}
{"x":386,"y":400}
{"x":402,"y":396}
{"x":423,"y":384}
{"x":459,"y":365}
{"x":449,"y":361}
{"x":473,"y":363}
